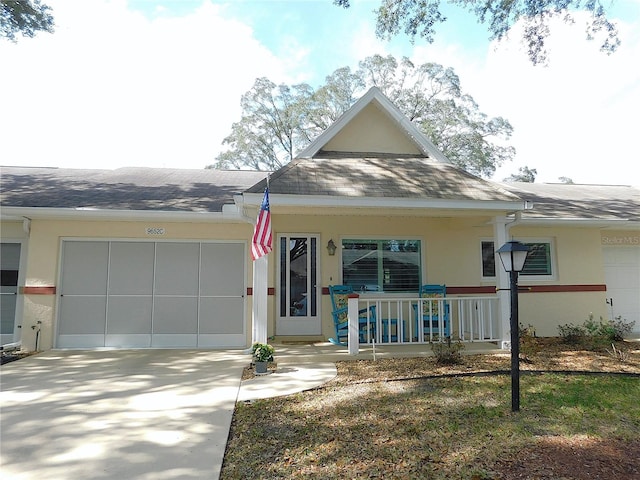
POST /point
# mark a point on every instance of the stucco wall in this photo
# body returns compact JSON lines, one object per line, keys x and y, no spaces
{"x":451,"y":255}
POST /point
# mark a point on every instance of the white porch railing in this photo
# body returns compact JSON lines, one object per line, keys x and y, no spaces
{"x":398,"y":319}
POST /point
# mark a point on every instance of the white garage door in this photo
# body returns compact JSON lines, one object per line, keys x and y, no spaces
{"x":622,"y":274}
{"x":151,"y":294}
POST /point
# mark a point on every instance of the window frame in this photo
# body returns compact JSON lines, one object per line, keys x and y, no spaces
{"x":553,"y":265}
{"x":378,"y":239}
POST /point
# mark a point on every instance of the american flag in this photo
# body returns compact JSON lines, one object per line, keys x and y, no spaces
{"x":261,"y":243}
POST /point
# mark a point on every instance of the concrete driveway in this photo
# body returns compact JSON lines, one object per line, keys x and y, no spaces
{"x":126,"y":414}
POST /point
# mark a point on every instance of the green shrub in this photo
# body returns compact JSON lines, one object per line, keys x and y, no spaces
{"x":571,"y":333}
{"x":612,"y":330}
{"x":447,"y":352}
{"x":596,"y":334}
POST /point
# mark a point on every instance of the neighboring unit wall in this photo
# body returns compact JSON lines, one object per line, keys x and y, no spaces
{"x":621,"y":252}
{"x":577,"y":287}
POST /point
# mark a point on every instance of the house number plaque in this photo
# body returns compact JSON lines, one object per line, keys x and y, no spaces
{"x":155,"y":231}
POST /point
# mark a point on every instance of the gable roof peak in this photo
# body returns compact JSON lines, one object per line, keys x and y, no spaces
{"x":375,"y":95}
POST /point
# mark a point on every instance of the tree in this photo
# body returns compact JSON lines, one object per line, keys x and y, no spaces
{"x":278,"y":120}
{"x":525,"y":174}
{"x":420,"y":18}
{"x":24,"y":16}
{"x":565,"y":180}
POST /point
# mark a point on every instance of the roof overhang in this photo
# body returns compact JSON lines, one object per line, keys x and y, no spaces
{"x":326,"y":201}
{"x":616,"y":223}
{"x":230,"y":213}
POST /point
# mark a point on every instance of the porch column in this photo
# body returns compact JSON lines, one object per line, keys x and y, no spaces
{"x":500,"y":237}
{"x":259,"y":303}
{"x":353,"y":338}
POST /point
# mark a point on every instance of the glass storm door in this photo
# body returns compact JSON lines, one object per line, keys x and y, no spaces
{"x":298,"y":286}
{"x":9,"y":265}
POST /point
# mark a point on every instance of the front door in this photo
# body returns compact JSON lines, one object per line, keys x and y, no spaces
{"x":298,"y":286}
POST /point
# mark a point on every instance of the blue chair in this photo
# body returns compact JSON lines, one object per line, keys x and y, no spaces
{"x":366,"y":317}
{"x":428,"y":322}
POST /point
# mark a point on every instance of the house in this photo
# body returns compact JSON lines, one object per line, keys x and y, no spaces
{"x":138,"y":257}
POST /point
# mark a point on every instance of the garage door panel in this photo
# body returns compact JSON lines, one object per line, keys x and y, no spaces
{"x":84,"y":268}
{"x":221,"y":315}
{"x":128,"y":341}
{"x":129,"y":315}
{"x":129,"y":294}
{"x":177,"y":268}
{"x":222,"y":269}
{"x":175,"y":315}
{"x":131,"y":268}
{"x":82,"y":314}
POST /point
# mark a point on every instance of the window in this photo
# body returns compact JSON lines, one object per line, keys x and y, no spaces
{"x":382,"y":265}
{"x":538,"y":261}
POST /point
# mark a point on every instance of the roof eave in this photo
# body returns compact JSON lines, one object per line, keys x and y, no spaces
{"x":327,"y":201}
{"x":229,"y":213}
{"x":617,"y":223}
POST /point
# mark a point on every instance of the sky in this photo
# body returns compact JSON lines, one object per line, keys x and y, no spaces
{"x":157,"y":83}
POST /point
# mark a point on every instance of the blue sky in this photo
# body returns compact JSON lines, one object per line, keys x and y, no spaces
{"x":158,"y":83}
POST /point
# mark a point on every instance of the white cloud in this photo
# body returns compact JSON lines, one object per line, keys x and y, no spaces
{"x":113,"y":88}
{"x":572,"y":118}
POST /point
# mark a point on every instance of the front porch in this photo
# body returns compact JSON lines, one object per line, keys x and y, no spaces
{"x":412,"y":321}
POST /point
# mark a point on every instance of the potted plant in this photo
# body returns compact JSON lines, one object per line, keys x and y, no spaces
{"x":262,"y":354}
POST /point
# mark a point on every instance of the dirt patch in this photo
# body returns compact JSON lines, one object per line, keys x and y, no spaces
{"x":579,"y":457}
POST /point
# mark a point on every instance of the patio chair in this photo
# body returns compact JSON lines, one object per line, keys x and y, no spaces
{"x":428,"y":321}
{"x":366,"y":317}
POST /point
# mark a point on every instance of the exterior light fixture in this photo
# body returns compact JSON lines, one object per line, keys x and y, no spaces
{"x":513,"y":255}
{"x":331,"y":247}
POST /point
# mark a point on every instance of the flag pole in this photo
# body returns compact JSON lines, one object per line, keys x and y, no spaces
{"x":260,"y":248}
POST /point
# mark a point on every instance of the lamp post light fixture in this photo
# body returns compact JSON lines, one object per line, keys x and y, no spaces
{"x":513,"y":255}
{"x":331,"y":247}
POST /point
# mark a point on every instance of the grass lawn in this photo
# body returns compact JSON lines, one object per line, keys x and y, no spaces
{"x":396,"y":418}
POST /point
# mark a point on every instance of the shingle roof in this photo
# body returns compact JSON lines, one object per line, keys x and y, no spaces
{"x":381,"y":176}
{"x":163,"y":189}
{"x":589,"y":202}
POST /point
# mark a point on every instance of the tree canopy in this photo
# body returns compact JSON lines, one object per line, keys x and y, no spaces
{"x":279,"y":121}
{"x":26,"y":17}
{"x":421,"y":17}
{"x":525,"y":174}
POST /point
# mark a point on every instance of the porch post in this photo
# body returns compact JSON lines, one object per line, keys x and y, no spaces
{"x":500,"y":237}
{"x":354,"y":336}
{"x":259,"y":303}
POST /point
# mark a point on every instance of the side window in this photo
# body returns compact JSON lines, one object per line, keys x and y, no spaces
{"x":538,"y":264}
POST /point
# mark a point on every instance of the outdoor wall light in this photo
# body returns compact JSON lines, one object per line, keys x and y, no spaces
{"x":513,"y":255}
{"x":331,"y":247}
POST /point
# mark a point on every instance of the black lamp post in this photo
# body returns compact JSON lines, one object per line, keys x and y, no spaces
{"x":513,"y":255}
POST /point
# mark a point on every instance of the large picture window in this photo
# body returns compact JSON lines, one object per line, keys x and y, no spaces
{"x":381,"y":265}
{"x":538,"y":262}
